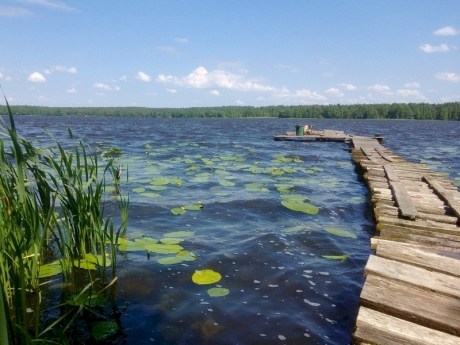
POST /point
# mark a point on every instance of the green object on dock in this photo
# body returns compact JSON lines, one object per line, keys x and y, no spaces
{"x":298,"y":130}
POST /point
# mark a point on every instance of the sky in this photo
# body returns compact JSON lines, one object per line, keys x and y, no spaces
{"x":193,"y":53}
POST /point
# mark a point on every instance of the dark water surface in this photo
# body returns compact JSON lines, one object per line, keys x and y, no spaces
{"x":287,"y":282}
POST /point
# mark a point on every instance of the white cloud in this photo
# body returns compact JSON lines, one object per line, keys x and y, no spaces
{"x":124,"y":78}
{"x":102,"y":86}
{"x":447,"y":31}
{"x":308,"y":96}
{"x":1,"y":75}
{"x":72,"y":90}
{"x":215,"y":92}
{"x":171,"y":90}
{"x":60,"y":69}
{"x":7,"y":11}
{"x":410,"y":93}
{"x":349,"y":87}
{"x":51,"y":4}
{"x":380,"y":88}
{"x":448,"y":76}
{"x":412,"y":85}
{"x":240,"y":103}
{"x":334,"y":92}
{"x":427,"y":48}
{"x":201,"y":78}
{"x":36,"y":77}
{"x":143,"y":77}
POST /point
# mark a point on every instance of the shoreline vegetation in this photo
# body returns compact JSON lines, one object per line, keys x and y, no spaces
{"x":57,"y":239}
{"x":419,"y":111}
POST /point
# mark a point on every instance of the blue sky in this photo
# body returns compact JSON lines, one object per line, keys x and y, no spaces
{"x":184,"y":53}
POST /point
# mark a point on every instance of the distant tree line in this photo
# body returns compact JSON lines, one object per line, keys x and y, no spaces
{"x":419,"y":111}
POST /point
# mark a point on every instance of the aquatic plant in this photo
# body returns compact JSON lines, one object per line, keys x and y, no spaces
{"x":51,"y":211}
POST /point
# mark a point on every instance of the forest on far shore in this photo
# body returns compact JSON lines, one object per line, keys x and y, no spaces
{"x":419,"y":111}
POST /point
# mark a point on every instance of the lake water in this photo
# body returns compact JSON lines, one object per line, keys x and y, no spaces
{"x":292,"y":277}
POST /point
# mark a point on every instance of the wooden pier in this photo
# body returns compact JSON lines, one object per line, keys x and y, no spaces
{"x":412,"y":290}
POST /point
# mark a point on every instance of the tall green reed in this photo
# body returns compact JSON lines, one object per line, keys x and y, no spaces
{"x":51,"y":207}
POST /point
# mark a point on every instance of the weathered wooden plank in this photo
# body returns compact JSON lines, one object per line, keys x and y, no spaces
{"x":387,"y":210}
{"x":403,"y":200}
{"x":419,"y":256}
{"x":412,"y":275}
{"x":418,"y":238}
{"x":448,"y":251}
{"x":425,"y":308}
{"x":377,"y":328}
{"x":423,"y":225}
{"x":390,"y":173}
{"x":447,"y":196}
{"x":395,"y":231}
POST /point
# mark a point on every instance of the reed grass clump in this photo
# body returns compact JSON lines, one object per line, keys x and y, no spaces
{"x":51,"y":213}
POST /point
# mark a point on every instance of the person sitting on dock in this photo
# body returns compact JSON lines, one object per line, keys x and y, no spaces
{"x":307,"y":129}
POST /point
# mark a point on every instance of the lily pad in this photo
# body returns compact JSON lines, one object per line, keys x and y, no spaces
{"x":226,"y":183}
{"x":177,"y":211}
{"x":340,"y":232}
{"x":90,"y":262}
{"x":203,"y":277}
{"x":180,"y":257}
{"x":136,"y":245}
{"x":170,"y":260}
{"x":298,"y":206}
{"x":336,"y":257}
{"x":179,"y":234}
{"x":218,"y":292}
{"x":256,"y":187}
{"x":171,"y":240}
{"x":163,"y":248}
{"x":138,"y":190}
{"x":52,"y":269}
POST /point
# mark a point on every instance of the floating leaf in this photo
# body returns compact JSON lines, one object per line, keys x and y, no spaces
{"x":185,"y":255}
{"x":90,"y":262}
{"x":295,"y":205}
{"x":104,"y":329}
{"x":51,"y":269}
{"x":138,"y":190}
{"x":163,"y":248}
{"x":203,"y":277}
{"x":182,"y":256}
{"x":170,"y":260}
{"x":256,"y":187}
{"x":171,"y":240}
{"x":177,"y":211}
{"x":179,"y":234}
{"x":336,"y":257}
{"x":340,"y":232}
{"x":136,"y":245}
{"x":284,"y":188}
{"x":218,"y":292}
{"x":226,"y":183}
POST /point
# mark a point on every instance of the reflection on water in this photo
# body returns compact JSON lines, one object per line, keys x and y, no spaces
{"x":290,"y":280}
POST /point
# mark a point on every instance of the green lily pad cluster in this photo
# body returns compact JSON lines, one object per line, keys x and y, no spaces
{"x":168,"y":245}
{"x":177,"y":211}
